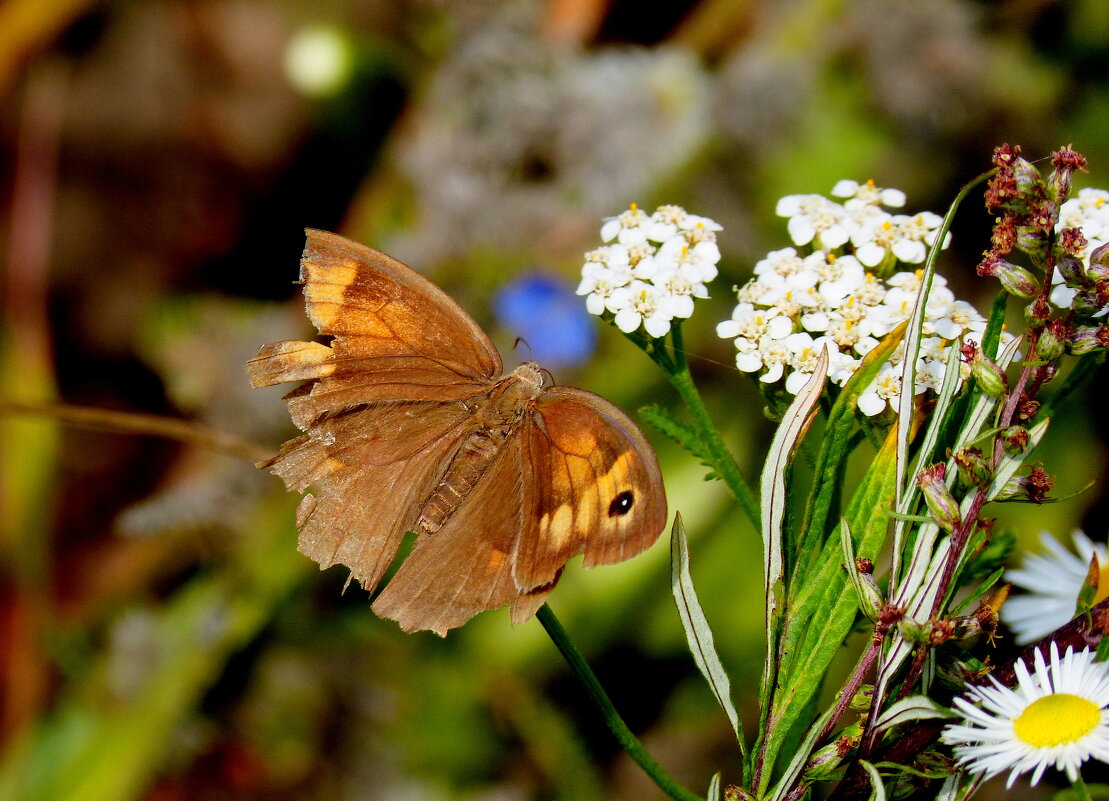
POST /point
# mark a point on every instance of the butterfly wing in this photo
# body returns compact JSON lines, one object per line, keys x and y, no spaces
{"x":465,"y":567}
{"x":373,"y":467}
{"x":591,"y":485}
{"x":395,"y":336}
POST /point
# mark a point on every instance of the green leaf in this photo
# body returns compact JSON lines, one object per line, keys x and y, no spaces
{"x":878,"y":791}
{"x":832,"y":460}
{"x":685,"y":435}
{"x":714,"y":788}
{"x":1012,"y":462}
{"x":697,"y":631}
{"x":823,"y":611}
{"x":916,"y":707}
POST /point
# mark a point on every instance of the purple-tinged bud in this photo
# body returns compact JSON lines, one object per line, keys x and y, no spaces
{"x":1014,"y":439}
{"x":1014,"y":279}
{"x":974,"y":470}
{"x":1088,"y":302}
{"x":825,"y":762}
{"x":1031,"y":239}
{"x":1072,"y":270}
{"x":1028,"y":180}
{"x":941,"y":503}
{"x":1087,"y":339}
{"x":1100,"y":255}
{"x":1065,"y":161}
{"x":991,"y":379}
{"x":1053,"y":341}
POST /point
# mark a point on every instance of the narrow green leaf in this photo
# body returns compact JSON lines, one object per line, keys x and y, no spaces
{"x":916,"y":707}
{"x":714,"y":788}
{"x":1011,"y":463}
{"x":832,"y":460}
{"x":697,"y":631}
{"x":794,"y":424}
{"x":868,"y":601}
{"x":878,"y":791}
{"x":821,"y":614}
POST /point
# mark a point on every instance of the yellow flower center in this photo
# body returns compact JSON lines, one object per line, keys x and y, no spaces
{"x":1056,"y":719}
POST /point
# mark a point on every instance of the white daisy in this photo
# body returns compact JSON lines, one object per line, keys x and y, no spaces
{"x":1053,"y":581}
{"x":1054,"y":717}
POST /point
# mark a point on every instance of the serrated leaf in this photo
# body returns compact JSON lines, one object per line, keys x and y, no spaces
{"x":683,"y":434}
{"x":697,"y":631}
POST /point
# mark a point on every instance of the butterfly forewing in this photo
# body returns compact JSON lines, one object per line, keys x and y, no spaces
{"x":396,"y":336}
{"x":592,"y":486}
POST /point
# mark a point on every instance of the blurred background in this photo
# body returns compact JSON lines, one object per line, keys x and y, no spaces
{"x":160,"y":636}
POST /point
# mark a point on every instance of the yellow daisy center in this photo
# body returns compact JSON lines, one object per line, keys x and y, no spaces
{"x":1056,"y":719}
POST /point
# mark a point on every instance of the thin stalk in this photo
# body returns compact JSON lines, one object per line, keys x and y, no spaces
{"x":677,"y":371}
{"x":137,"y":423}
{"x":628,"y":741}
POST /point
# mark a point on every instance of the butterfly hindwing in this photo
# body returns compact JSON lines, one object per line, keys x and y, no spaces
{"x":592,"y":486}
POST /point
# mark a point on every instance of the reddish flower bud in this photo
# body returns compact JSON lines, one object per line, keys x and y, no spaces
{"x":973,"y":468}
{"x":1014,"y":439}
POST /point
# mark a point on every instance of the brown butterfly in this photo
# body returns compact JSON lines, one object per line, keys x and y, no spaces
{"x":409,"y":425}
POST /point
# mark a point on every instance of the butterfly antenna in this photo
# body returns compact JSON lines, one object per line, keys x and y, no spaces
{"x":522,"y":341}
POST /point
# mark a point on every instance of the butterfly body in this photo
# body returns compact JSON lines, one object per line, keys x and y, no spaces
{"x":409,"y":425}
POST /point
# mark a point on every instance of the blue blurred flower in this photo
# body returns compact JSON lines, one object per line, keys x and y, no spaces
{"x":544,"y":311}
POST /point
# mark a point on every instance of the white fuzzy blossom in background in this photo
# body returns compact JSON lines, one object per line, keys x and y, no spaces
{"x":1088,"y":211}
{"x":1051,"y":582}
{"x":840,"y":288}
{"x":651,"y":268}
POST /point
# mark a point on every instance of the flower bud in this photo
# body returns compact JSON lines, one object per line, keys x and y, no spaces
{"x":1052,"y":342}
{"x":1072,"y":270}
{"x":1065,"y":161}
{"x":1033,"y":487}
{"x":1100,"y":255}
{"x":974,"y":470}
{"x":824,"y":762}
{"x":1087,"y":339}
{"x":938,"y":498}
{"x":1031,"y":239}
{"x":1017,"y":281}
{"x":1072,"y":241}
{"x":1014,"y":439}
{"x":989,"y":376}
{"x":1028,"y":179}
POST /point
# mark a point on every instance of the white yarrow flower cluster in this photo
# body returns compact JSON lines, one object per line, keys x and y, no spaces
{"x":651,"y":268}
{"x":1088,"y":211}
{"x":1056,"y":716}
{"x":831,"y":296}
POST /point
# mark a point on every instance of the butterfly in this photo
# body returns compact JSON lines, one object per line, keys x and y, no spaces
{"x":410,"y":425}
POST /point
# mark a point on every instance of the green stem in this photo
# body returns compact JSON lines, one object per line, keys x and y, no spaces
{"x":1080,"y":789}
{"x":723,"y":463}
{"x":628,"y":741}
